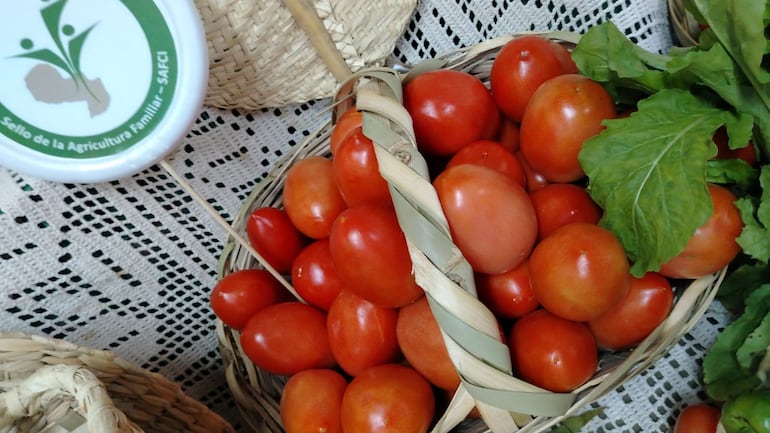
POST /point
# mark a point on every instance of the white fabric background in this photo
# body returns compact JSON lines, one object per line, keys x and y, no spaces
{"x":127,"y":265}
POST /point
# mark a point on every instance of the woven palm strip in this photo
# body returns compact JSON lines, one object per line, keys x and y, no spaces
{"x":48,"y":384}
{"x":683,"y":23}
{"x":260,"y":56}
{"x":444,"y":275}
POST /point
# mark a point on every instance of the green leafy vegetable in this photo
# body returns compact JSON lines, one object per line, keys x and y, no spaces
{"x":576,"y":423}
{"x":755,"y":213}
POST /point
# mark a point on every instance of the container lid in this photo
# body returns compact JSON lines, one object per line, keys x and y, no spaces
{"x":97,"y":90}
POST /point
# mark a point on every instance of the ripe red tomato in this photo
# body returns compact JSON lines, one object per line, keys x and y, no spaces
{"x":274,"y":237}
{"x":713,"y":245}
{"x":490,"y":154}
{"x":747,"y":153}
{"x":311,"y":401}
{"x":562,"y":113}
{"x":508,"y":295}
{"x":240,"y":294}
{"x":521,"y":66}
{"x":388,"y":398}
{"x":286,"y":338}
{"x":361,"y":334}
{"x":559,"y":204}
{"x":349,"y":122}
{"x":579,"y":272}
{"x":450,"y":109}
{"x":535,"y":180}
{"x":551,"y":352}
{"x":490,"y":217}
{"x":698,"y":418}
{"x":311,"y":197}
{"x":357,"y":174}
{"x":508,"y":134}
{"x":419,"y":337}
{"x":371,"y":257}
{"x":628,"y":322}
{"x":314,"y":276}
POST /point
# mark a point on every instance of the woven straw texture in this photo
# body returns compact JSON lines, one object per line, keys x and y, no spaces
{"x":683,"y":24}
{"x":50,"y":385}
{"x":260,"y":57}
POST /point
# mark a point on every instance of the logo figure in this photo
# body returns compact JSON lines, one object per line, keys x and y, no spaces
{"x":44,"y":80}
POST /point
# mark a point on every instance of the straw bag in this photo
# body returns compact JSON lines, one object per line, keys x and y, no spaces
{"x":265,"y":54}
{"x":52,"y":386}
{"x":440,"y":271}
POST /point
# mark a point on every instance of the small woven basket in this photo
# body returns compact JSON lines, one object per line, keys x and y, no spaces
{"x":442,"y":273}
{"x":53,"y":386}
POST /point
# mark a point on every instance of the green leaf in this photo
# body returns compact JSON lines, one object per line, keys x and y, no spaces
{"x":731,"y":171}
{"x":739,"y":283}
{"x":755,"y":213}
{"x":753,"y":348}
{"x":575,"y":423}
{"x":648,"y":173}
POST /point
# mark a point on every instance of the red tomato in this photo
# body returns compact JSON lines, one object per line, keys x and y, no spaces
{"x":579,"y":272}
{"x":287,"y":338}
{"x":240,"y":294}
{"x":698,"y":418}
{"x":747,"y":153}
{"x":450,"y":109}
{"x":551,"y":352}
{"x":491,"y":218}
{"x":419,"y":337}
{"x":713,"y":245}
{"x":521,"y":66}
{"x":490,"y":154}
{"x":314,"y":276}
{"x":311,"y":197}
{"x":357,"y":174}
{"x":311,"y":401}
{"x":349,"y":122}
{"x":562,"y":113}
{"x":388,"y":398}
{"x":508,"y":295}
{"x":274,"y":237}
{"x":628,"y":322}
{"x":371,"y":257}
{"x":508,"y":135}
{"x":361,"y":334}
{"x":559,"y":204}
{"x":535,"y":180}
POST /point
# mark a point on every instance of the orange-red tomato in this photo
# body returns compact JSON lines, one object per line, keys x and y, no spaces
{"x":713,"y":245}
{"x":490,"y":217}
{"x":559,"y":204}
{"x":388,"y":398}
{"x":508,"y":295}
{"x":551,"y":352}
{"x":240,"y":294}
{"x":349,"y":122}
{"x":311,"y":197}
{"x":357,"y":174}
{"x":579,"y":272}
{"x":361,"y":334}
{"x":311,"y":401}
{"x":698,"y":418}
{"x":273,"y":235}
{"x":508,"y":135}
{"x":419,"y":337}
{"x":490,"y":154}
{"x":314,"y":276}
{"x":628,"y":322}
{"x":535,"y":180}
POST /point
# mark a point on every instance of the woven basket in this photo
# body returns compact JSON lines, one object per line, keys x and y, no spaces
{"x":683,"y":23}
{"x":270,"y":53}
{"x":52,"y":386}
{"x":523,"y":407}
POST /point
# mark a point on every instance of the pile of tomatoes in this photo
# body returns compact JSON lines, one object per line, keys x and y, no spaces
{"x":362,"y":349}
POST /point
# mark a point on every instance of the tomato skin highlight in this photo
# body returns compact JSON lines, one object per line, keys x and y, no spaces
{"x":559,"y":204}
{"x":508,"y":295}
{"x":356,"y":172}
{"x":311,"y":401}
{"x":240,"y":294}
{"x":311,"y":197}
{"x":348,"y":123}
{"x":490,"y":154}
{"x":273,"y":235}
{"x":698,"y":418}
{"x":314,"y":276}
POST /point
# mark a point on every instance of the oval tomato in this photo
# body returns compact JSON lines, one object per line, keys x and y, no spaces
{"x":490,"y":217}
{"x":311,"y":197}
{"x":562,"y":113}
{"x":535,"y":180}
{"x":559,"y":204}
{"x":698,"y":418}
{"x":551,"y":352}
{"x":508,"y":134}
{"x":311,"y":401}
{"x":508,"y":295}
{"x":713,"y":245}
{"x":273,"y":235}
{"x":286,"y":338}
{"x":371,"y":257}
{"x":521,"y":66}
{"x":314,"y":276}
{"x":349,"y":122}
{"x":490,"y":154}
{"x":240,"y":294}
{"x":579,"y":272}
{"x":422,"y":344}
{"x":388,"y":398}
{"x":450,"y":109}
{"x":357,"y":173}
{"x":628,"y":322}
{"x":361,"y":334}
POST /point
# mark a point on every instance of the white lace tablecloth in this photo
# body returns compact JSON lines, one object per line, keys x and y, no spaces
{"x":128,"y":265}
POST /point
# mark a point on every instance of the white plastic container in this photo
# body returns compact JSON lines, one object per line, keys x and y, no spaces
{"x":96,"y":90}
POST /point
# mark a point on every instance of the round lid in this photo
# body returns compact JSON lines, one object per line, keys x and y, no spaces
{"x":97,"y":90}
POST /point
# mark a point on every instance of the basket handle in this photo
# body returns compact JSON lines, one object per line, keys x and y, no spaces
{"x":49,"y":384}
